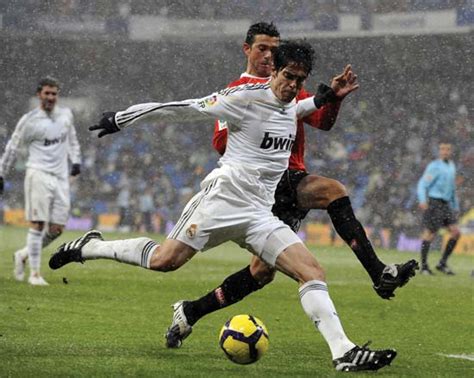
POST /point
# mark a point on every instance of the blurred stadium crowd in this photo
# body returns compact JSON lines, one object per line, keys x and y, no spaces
{"x":413,"y":94}
{"x":218,"y":9}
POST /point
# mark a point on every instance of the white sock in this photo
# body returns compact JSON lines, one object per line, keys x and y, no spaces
{"x":33,"y":245}
{"x":130,"y":251}
{"x":47,"y":239}
{"x":318,"y":306}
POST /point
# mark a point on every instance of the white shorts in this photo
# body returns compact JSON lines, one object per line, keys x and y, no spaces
{"x":216,"y":215}
{"x":46,"y":197}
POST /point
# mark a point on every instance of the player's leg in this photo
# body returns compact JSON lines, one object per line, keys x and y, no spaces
{"x":50,"y":234}
{"x":319,"y":192}
{"x":232,"y":290}
{"x":454,"y":235}
{"x":142,"y":252}
{"x":38,"y":199}
{"x":33,"y":246}
{"x":298,"y":263}
{"x":432,"y":222}
{"x":53,"y":232}
{"x":427,"y":237}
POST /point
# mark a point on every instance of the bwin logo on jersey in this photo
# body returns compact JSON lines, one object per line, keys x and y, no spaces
{"x":49,"y":142}
{"x":277,"y":143}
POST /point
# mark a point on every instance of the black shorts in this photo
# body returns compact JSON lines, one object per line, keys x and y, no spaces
{"x":439,"y":214}
{"x":286,"y":207}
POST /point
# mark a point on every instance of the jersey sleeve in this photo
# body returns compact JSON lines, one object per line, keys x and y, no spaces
{"x":323,"y":118}
{"x":74,"y":151}
{"x":11,"y":149}
{"x":305,"y":107}
{"x":217,"y":105}
{"x":429,"y":177}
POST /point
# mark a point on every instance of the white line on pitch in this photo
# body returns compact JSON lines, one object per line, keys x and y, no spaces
{"x":469,"y":357}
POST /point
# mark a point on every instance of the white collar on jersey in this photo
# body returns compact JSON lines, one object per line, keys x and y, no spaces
{"x":245,"y":74}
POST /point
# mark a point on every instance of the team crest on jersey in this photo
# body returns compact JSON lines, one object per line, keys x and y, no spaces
{"x":191,"y":231}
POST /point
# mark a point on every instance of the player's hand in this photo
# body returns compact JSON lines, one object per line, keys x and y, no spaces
{"x":344,"y":83}
{"x":1,"y":185}
{"x":423,"y":206}
{"x":106,"y":125}
{"x":75,"y":169}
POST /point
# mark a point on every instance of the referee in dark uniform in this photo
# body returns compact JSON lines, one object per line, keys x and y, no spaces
{"x":437,"y":198}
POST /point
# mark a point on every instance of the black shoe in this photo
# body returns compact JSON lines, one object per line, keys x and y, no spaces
{"x":72,"y":251}
{"x":443,"y":268}
{"x":395,"y":276}
{"x":179,"y":328}
{"x":362,"y":358}
{"x":426,"y":271}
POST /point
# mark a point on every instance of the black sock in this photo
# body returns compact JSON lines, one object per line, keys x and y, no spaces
{"x":448,"y":250}
{"x":352,"y":232}
{"x":233,"y":289}
{"x":425,"y":248}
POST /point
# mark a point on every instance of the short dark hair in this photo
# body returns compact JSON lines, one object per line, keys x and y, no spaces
{"x":299,"y":52}
{"x":47,"y":81}
{"x":261,"y":28}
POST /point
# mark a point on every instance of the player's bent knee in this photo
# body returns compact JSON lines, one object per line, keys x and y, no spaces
{"x":337,"y":190}
{"x":264,"y":277}
{"x":262,"y":272}
{"x":455,"y":234}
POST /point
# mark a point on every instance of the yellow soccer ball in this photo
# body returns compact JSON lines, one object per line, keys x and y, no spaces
{"x":244,"y":339}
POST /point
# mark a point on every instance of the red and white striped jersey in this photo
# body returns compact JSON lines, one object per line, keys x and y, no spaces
{"x":323,"y":119}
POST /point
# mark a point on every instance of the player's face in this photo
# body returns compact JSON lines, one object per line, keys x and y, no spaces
{"x":48,"y":97}
{"x":259,"y":55}
{"x":445,"y":151}
{"x":288,"y":81}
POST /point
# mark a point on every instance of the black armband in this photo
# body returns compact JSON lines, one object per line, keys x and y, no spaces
{"x":324,"y":95}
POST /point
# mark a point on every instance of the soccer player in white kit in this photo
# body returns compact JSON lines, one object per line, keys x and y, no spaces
{"x":50,"y":138}
{"x":235,"y":200}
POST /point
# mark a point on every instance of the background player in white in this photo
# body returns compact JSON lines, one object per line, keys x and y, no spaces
{"x":50,"y":137}
{"x":236,"y":199}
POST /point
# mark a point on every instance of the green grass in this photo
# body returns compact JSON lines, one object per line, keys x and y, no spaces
{"x":110,"y":318}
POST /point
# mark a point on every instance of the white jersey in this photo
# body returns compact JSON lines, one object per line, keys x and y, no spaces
{"x":50,"y":139}
{"x":262,"y":130}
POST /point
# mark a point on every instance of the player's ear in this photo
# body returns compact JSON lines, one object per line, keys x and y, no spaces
{"x":274,"y":73}
{"x":246,"y":48}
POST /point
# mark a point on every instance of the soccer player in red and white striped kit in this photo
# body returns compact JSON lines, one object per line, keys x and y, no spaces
{"x":297,"y":193}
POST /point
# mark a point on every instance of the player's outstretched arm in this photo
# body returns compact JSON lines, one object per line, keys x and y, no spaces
{"x":226,"y":106}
